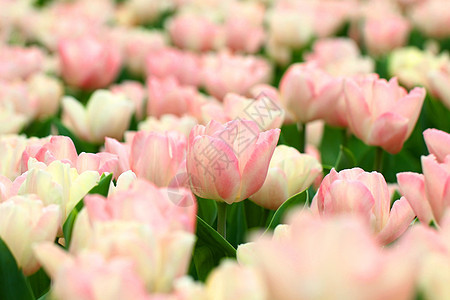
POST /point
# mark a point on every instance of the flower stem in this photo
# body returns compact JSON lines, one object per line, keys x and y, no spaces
{"x":222,"y":219}
{"x":302,"y":130}
{"x":378,"y":163}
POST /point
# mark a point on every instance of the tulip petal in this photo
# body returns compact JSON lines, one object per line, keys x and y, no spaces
{"x":412,"y":187}
{"x":438,"y":143}
{"x":400,"y":218}
{"x":389,"y":131}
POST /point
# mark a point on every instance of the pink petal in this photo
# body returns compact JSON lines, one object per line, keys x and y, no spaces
{"x":389,"y":132}
{"x":412,"y":187}
{"x":438,"y":143}
{"x":399,"y":220}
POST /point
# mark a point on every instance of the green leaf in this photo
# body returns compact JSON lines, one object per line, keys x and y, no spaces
{"x":290,"y":136}
{"x":345,"y":160}
{"x":80,"y":145}
{"x":236,"y":224}
{"x":13,"y":284}
{"x":39,"y":283}
{"x":255,"y":215}
{"x":38,"y":128}
{"x":210,"y":249}
{"x":207,"y":210}
{"x":295,"y":201}
{"x":102,"y":189}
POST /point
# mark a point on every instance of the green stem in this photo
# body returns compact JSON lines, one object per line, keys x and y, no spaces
{"x":302,"y":130}
{"x":378,"y":163}
{"x":222,"y":219}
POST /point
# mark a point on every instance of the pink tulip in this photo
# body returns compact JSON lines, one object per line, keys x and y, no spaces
{"x":25,"y":220}
{"x":171,"y":62}
{"x":290,"y":172}
{"x":89,"y":63}
{"x":134,"y":91}
{"x":340,"y":57}
{"x":229,"y":162}
{"x":12,"y":148}
{"x":438,"y":83}
{"x":169,"y":122}
{"x":90,"y":276}
{"x":382,"y":35}
{"x":438,"y":143}
{"x":302,"y":261}
{"x":151,"y":155}
{"x":226,"y":73}
{"x":308,"y":93}
{"x":19,"y":63}
{"x":432,"y":18}
{"x":243,"y":28}
{"x":194,"y":32}
{"x":428,"y":194}
{"x":167,"y":96}
{"x":381,"y":113}
{"x":47,"y":92}
{"x":366,"y":195}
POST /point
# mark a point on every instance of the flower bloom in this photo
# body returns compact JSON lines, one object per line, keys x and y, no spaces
{"x":382,"y":113}
{"x":308,"y":92}
{"x":290,"y":172}
{"x":88,"y":62}
{"x":106,"y":115}
{"x":229,"y":162}
{"x":297,"y":262}
{"x":151,"y":155}
{"x":364,"y":194}
{"x":25,"y":220}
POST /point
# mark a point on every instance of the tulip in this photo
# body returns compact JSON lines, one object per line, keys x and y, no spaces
{"x":56,"y":183}
{"x":90,"y":275}
{"x":88,"y":63}
{"x":232,"y":281}
{"x":47,"y":92}
{"x":438,"y":143}
{"x":20,"y":62}
{"x":308,"y":93}
{"x":163,"y":208}
{"x":134,"y":91}
{"x":25,"y":220}
{"x":106,"y":115}
{"x":169,"y":122}
{"x":194,"y":32}
{"x":11,"y":147}
{"x":290,"y":172}
{"x":226,"y":73}
{"x":340,"y":57}
{"x":366,"y":195}
{"x":432,"y":18}
{"x":151,"y":155}
{"x":382,"y":35}
{"x":415,"y":67}
{"x":172,"y":62}
{"x":167,"y":96}
{"x":302,"y":262}
{"x":381,"y":113}
{"x":229,"y":162}
{"x":427,"y":193}
{"x":438,"y":81}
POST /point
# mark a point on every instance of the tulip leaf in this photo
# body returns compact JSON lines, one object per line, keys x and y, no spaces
{"x":207,"y":210}
{"x":291,"y":136}
{"x":345,"y":160}
{"x":39,"y":283}
{"x":80,"y":145}
{"x":209,"y":249}
{"x":295,"y":201}
{"x":236,"y":224}
{"x":255,"y":215}
{"x":101,"y":188}
{"x":13,"y":284}
{"x":38,"y":128}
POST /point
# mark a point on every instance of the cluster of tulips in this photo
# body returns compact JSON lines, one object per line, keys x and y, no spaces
{"x":223,"y":150}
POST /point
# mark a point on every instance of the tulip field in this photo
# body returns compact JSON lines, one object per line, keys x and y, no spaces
{"x":224,"y":149}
